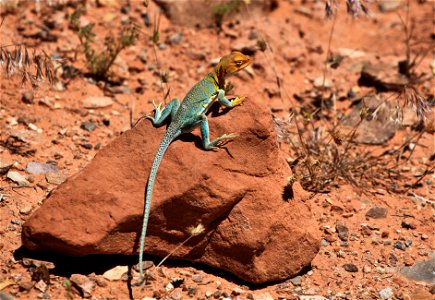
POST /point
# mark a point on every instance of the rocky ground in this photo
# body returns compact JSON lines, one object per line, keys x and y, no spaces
{"x":376,"y":226}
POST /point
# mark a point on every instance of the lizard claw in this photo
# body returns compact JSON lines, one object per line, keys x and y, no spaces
{"x":224,"y":139}
{"x":157,"y":106}
{"x":150,"y":117}
{"x":238,"y":100}
{"x":228,"y":136}
{"x":157,"y":112}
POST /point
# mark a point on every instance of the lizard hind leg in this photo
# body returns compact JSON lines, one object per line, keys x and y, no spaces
{"x":212,"y":145}
{"x":160,"y":115}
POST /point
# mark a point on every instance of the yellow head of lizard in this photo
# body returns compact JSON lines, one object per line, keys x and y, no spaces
{"x":231,"y":63}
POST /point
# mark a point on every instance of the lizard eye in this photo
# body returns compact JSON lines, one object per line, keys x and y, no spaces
{"x":239,"y":63}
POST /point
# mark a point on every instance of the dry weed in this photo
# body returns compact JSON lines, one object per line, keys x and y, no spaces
{"x":31,"y":65}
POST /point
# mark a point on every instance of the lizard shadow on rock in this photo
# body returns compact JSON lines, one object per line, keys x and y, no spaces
{"x":66,"y":265}
{"x":217,"y":110}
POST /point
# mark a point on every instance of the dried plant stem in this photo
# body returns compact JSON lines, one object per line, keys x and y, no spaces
{"x":325,"y":67}
{"x":304,"y":146}
{"x":328,"y":51}
{"x":174,"y":250}
{"x":194,"y":231}
{"x":132,"y":110}
{"x":156,"y":36}
{"x":420,"y":178}
{"x":158,"y":67}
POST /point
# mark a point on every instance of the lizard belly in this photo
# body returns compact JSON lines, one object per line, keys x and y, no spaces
{"x":193,"y":117}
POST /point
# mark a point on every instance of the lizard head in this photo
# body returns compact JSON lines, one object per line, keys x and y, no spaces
{"x":234,"y":62}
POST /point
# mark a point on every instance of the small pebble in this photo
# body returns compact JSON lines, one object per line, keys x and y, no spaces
{"x":424,"y":236}
{"x":377,"y":212}
{"x":44,"y":295}
{"x":217,"y":294}
{"x":252,"y":35}
{"x":408,"y":225}
{"x":27,"y":97}
{"x":393,"y":258}
{"x":175,"y":38}
{"x":84,"y":284}
{"x":367,"y":269}
{"x":26,"y":209}
{"x":101,"y":282}
{"x":387,"y":6}
{"x":296,"y":281}
{"x":169,"y":287}
{"x":237,"y":291}
{"x":365,"y":231}
{"x":325,"y":243}
{"x":156,"y":295}
{"x":17,"y":178}
{"x":197,"y":278}
{"x":321,"y":82}
{"x":97,"y":102}
{"x":386,"y":293}
{"x":350,"y":268}
{"x":399,"y":245}
{"x":115,"y":273}
{"x":25,"y":285}
{"x":191,"y":292}
{"x":88,"y":126}
{"x":208,"y":294}
{"x":343,"y":231}
{"x":176,"y":295}
{"x":15,"y":222}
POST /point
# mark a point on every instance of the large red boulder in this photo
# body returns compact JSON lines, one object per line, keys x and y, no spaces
{"x":236,"y":193}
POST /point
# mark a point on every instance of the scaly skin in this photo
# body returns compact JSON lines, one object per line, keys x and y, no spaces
{"x":186,"y":117}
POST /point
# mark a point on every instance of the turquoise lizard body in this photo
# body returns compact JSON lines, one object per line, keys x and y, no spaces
{"x":188,"y":115}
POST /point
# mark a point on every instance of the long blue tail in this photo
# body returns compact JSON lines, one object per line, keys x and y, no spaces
{"x":169,"y":136}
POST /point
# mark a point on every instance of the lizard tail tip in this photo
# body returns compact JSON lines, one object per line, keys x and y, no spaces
{"x":140,"y":282}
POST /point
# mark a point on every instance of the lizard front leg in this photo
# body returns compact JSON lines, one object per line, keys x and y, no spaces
{"x":160,"y":116}
{"x":229,"y":103}
{"x":206,"y":135}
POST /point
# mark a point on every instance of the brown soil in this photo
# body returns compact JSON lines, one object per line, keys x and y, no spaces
{"x":299,"y":42}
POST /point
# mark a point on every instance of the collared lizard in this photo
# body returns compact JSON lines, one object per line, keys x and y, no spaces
{"x":188,"y":115}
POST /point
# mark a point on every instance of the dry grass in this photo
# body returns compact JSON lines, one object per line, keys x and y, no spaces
{"x":31,"y":65}
{"x":325,"y":156}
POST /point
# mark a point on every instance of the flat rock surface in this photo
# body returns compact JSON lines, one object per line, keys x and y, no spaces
{"x":236,"y":193}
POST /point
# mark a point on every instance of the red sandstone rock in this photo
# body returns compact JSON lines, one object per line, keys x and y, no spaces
{"x":235,"y":193}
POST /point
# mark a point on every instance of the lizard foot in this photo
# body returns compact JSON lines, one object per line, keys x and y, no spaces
{"x":157,"y":112}
{"x":238,"y":100}
{"x":223,"y":140}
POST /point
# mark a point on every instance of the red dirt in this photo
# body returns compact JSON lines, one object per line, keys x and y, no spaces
{"x":296,"y":60}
